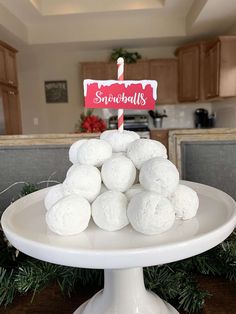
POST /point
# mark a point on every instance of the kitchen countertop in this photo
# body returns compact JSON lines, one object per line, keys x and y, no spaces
{"x":40,"y":139}
{"x":201,"y":130}
{"x":14,"y":139}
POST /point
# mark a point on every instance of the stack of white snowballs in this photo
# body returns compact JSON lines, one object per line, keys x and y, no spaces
{"x":119,"y":179}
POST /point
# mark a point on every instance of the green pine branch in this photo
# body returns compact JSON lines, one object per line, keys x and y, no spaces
{"x":7,"y":286}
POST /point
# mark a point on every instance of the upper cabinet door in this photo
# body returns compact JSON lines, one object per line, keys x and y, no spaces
{"x":111,"y":71}
{"x":11,"y":67}
{"x":212,"y":71}
{"x":8,"y":72}
{"x":108,"y":71}
{"x":224,"y":54}
{"x":189,"y":73}
{"x":94,"y":70}
{"x":136,"y":71}
{"x":164,"y":71}
{"x":12,"y":112}
{"x":3,"y":70}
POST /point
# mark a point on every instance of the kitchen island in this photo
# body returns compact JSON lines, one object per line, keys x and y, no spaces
{"x":202,"y":155}
{"x":206,"y":156}
{"x":39,"y":160}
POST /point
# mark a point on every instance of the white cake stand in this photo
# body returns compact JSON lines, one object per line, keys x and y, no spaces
{"x":122,"y":254}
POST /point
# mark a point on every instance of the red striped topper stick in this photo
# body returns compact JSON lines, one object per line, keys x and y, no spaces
{"x":120,"y":77}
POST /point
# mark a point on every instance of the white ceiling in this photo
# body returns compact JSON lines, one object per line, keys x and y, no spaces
{"x":128,"y":23}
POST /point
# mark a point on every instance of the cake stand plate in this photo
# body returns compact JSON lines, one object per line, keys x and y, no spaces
{"x":122,"y":254}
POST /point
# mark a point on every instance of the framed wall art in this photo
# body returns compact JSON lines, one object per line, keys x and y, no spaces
{"x":56,"y":91}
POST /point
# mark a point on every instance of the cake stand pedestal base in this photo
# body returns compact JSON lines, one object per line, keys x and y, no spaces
{"x":124,"y":293}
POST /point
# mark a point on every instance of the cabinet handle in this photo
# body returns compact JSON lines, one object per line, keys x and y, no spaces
{"x":11,"y":93}
{"x":10,"y":82}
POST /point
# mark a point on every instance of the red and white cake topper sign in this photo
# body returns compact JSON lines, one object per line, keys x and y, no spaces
{"x":139,"y":95}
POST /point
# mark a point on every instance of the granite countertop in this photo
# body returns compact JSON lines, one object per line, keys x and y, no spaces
{"x":54,"y":135}
{"x":196,"y":130}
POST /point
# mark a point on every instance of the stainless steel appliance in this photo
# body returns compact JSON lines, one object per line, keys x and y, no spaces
{"x":133,"y":122}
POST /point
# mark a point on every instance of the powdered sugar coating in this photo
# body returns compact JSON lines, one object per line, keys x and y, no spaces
{"x":150,"y":213}
{"x":119,"y":140}
{"x":73,"y":151}
{"x":83,"y":180}
{"x":142,"y":150}
{"x":118,"y":173}
{"x":94,"y":152}
{"x":72,"y":168}
{"x":109,"y":211}
{"x":54,"y":194}
{"x":69,"y":216}
{"x":159,"y":175}
{"x":135,"y":189}
{"x":185,"y":202}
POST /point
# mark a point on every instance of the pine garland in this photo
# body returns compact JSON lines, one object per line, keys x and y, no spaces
{"x":174,"y":282}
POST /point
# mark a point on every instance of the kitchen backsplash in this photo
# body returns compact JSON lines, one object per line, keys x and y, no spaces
{"x":181,"y":115}
{"x":225,"y":110}
{"x":178,"y":116}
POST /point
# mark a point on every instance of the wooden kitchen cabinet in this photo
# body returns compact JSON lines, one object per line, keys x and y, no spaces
{"x":111,"y":71}
{"x":11,"y":110}
{"x":137,"y":71}
{"x":189,"y":72}
{"x":207,"y":69}
{"x":10,"y":105}
{"x":99,"y":70}
{"x":212,"y":71}
{"x":220,"y":68}
{"x":164,"y":71}
{"x":93,"y":70}
{"x":108,"y":70}
{"x":8,"y":72}
{"x":3,"y":71}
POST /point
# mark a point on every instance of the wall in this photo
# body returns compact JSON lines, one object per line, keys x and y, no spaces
{"x":37,"y":64}
{"x":225,"y":113}
{"x":181,"y":115}
{"x":59,"y":62}
{"x":232,"y":30}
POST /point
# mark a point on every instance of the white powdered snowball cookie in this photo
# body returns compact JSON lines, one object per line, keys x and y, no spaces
{"x":150,"y":213}
{"x":72,"y":168}
{"x":159,"y":175}
{"x":73,"y":151}
{"x":109,"y":211}
{"x":69,"y":216}
{"x":94,"y":152}
{"x":54,"y":194}
{"x":185,"y":202}
{"x":118,"y":173}
{"x":135,"y":189}
{"x":83,"y":180}
{"x":142,"y":150}
{"x":119,"y":140}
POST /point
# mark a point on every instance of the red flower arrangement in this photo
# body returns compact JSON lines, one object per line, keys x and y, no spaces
{"x":90,"y":123}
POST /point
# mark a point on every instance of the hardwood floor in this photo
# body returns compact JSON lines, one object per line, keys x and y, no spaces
{"x":51,"y":301}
